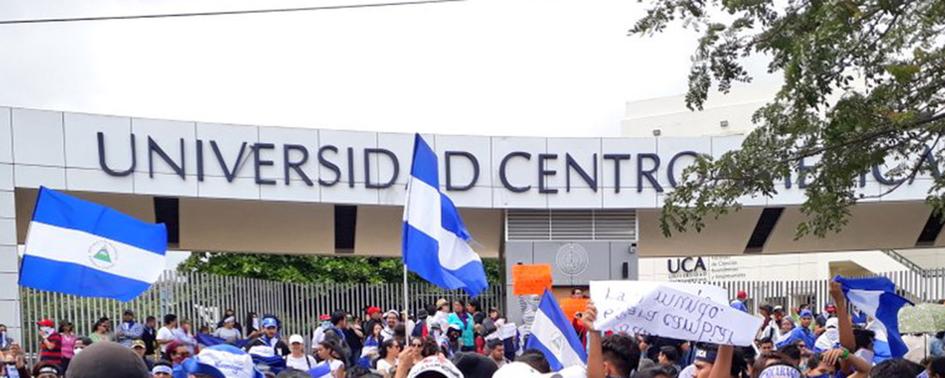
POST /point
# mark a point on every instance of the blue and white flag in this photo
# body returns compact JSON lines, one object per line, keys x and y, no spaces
{"x":876,"y":296}
{"x":86,"y":249}
{"x":553,"y":335}
{"x":435,"y":240}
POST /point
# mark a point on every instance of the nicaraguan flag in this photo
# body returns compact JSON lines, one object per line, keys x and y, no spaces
{"x":876,"y":296}
{"x":554,"y":336}
{"x":435,"y":241}
{"x":86,"y":249}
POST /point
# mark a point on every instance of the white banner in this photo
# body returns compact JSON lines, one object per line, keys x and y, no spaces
{"x":678,"y":310}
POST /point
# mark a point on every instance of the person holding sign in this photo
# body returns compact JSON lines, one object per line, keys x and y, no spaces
{"x":612,"y":356}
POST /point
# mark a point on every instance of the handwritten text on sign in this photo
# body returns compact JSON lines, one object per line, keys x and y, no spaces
{"x":664,"y":309}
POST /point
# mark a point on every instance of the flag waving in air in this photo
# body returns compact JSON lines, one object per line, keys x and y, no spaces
{"x":86,"y":249}
{"x":435,"y":240}
{"x":555,"y":337}
{"x":876,"y":296}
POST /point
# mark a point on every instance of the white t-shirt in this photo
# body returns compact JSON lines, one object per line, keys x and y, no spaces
{"x":300,"y":362}
{"x":384,"y":367}
{"x":165,"y":334}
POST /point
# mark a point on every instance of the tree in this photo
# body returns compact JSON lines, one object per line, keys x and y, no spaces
{"x":311,"y":269}
{"x":863,"y":87}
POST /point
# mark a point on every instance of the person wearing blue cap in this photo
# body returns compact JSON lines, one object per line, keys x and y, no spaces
{"x":802,"y":332}
{"x":269,"y":340}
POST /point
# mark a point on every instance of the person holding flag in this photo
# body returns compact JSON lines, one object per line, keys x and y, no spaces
{"x":554,"y":336}
{"x":877,"y":298}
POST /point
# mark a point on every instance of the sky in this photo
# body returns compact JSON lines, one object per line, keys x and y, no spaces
{"x":485,"y":67}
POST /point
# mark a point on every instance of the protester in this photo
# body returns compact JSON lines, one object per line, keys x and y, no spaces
{"x":269,"y":344}
{"x":51,"y":346}
{"x":67,"y":332}
{"x":297,"y":359}
{"x":222,"y":360}
{"x":466,"y":324}
{"x":740,"y":301}
{"x":5,"y":339}
{"x":107,"y":359}
{"x":140,"y":349}
{"x":46,"y":370}
{"x":185,"y":336}
{"x":495,"y":350}
{"x":229,"y":333}
{"x":801,"y":332}
{"x":336,"y":335}
{"x":330,"y":355}
{"x":101,"y":331}
{"x":166,"y":334}
{"x":374,"y":316}
{"x":253,"y":328}
{"x":442,"y":314}
{"x":13,"y":364}
{"x":149,"y":336}
{"x":765,"y":346}
{"x":80,"y":344}
{"x":372,"y":344}
{"x":229,"y":313}
{"x":668,"y":359}
{"x":391,"y":320}
{"x":474,"y":365}
{"x":473,"y":308}
{"x":453,"y":343}
{"x":162,"y":369}
{"x":770,"y":329}
{"x":129,"y":330}
{"x":937,"y":345}
{"x":354,"y":335}
{"x":489,"y":323}
{"x":896,"y":368}
{"x":177,"y":353}
{"x":388,"y":356}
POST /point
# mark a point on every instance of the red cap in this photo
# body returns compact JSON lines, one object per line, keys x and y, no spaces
{"x":742,"y":294}
{"x":324,"y":317}
{"x":46,"y":323}
{"x":830,"y":308}
{"x":373,"y":310}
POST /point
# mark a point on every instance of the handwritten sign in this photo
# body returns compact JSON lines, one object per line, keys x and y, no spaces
{"x":531,"y":279}
{"x":506,"y":331}
{"x":677,"y":310}
{"x":571,"y":306}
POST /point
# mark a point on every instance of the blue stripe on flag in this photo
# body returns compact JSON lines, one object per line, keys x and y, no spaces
{"x":886,"y":308}
{"x":62,"y":210}
{"x":451,"y":220}
{"x":553,"y":363}
{"x":77,"y":280}
{"x":417,"y":257}
{"x":424,"y":163}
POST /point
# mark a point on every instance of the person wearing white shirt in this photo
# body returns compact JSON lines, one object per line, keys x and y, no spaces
{"x":331,"y":365}
{"x":389,"y":354}
{"x":297,"y":359}
{"x":166,"y":335}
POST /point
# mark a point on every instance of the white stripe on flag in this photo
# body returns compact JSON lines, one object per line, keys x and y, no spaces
{"x":552,"y":338}
{"x":423,"y":211}
{"x":72,"y":246}
{"x":425,"y":214}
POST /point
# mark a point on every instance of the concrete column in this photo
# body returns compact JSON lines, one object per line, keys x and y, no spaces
{"x":9,"y":262}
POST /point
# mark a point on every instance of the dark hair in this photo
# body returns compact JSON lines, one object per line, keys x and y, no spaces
{"x":99,"y":323}
{"x":536,"y":359}
{"x":382,"y":353}
{"x":766,"y":340}
{"x":338,"y":316}
{"x":461,"y":302}
{"x":169,"y":318}
{"x":292,"y":373}
{"x":574,"y":290}
{"x":62,"y":325}
{"x":493,"y":343}
{"x":475,"y":303}
{"x":670,"y":352}
{"x":353,"y":372}
{"x":429,"y":347}
{"x":816,"y":359}
{"x":85,"y":341}
{"x":791,"y":351}
{"x":863,"y":338}
{"x":333,"y":348}
{"x":937,"y":366}
{"x":896,"y":368}
{"x":149,"y":318}
{"x":622,"y":352}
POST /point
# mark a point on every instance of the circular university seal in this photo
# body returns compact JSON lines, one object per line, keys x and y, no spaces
{"x":571,"y":259}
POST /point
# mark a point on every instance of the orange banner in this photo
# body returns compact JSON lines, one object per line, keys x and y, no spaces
{"x":531,"y":279}
{"x":571,"y":306}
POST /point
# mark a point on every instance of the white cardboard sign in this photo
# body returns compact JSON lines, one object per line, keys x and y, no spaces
{"x":678,"y":310}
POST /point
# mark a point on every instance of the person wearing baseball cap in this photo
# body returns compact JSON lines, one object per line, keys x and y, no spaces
{"x":297,"y":359}
{"x":740,"y":301}
{"x":800,"y":333}
{"x":139,"y":348}
{"x":268,"y":345}
{"x":51,"y":348}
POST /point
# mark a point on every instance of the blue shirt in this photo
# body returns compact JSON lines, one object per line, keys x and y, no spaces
{"x":798,"y":333}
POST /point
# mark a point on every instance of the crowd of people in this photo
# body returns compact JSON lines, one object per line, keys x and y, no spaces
{"x":456,"y":340}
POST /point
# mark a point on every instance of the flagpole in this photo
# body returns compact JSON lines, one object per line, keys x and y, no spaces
{"x":406,"y":306}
